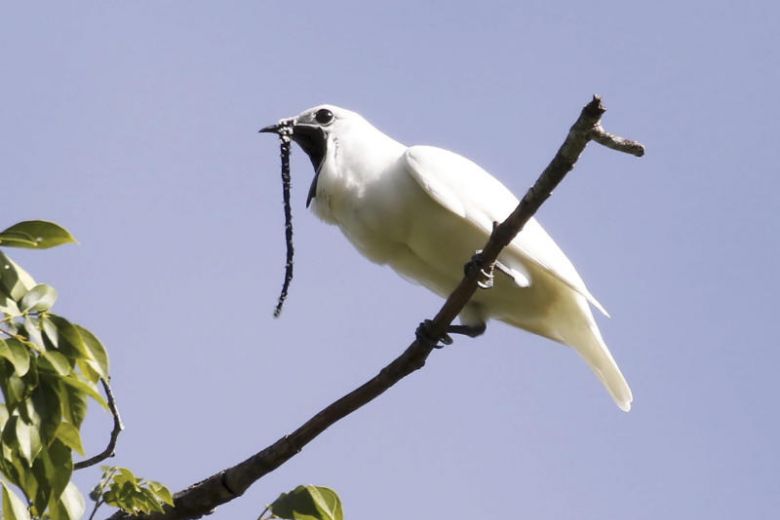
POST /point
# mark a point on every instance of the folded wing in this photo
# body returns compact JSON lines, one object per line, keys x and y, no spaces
{"x":465,"y":189}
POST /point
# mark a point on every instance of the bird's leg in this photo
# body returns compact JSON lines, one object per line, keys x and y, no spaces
{"x":476,"y":264}
{"x":471,"y":331}
{"x":423,"y":333}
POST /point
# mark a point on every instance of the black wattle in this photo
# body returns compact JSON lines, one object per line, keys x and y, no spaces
{"x":313,"y":188}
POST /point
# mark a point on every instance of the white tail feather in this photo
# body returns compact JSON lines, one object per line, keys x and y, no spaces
{"x":586,"y":339}
{"x":595,"y":352}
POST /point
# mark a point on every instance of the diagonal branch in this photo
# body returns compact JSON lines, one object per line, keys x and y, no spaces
{"x":117,"y":429}
{"x":201,"y":498}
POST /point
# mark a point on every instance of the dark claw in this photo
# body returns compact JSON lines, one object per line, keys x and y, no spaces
{"x":423,"y":334}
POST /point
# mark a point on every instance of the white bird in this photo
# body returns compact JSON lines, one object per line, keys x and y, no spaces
{"x":424,"y":211}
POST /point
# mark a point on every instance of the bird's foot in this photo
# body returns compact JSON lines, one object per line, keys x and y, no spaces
{"x":486,"y":274}
{"x":476,"y":265}
{"x":423,"y":333}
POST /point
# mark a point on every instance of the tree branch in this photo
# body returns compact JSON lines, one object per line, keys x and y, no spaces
{"x":201,"y":498}
{"x":118,"y":427}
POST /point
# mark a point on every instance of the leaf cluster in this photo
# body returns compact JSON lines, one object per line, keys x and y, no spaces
{"x":119,"y":487}
{"x":307,"y":503}
{"x":49,"y":369}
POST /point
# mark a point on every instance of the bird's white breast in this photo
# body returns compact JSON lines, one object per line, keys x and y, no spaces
{"x":363,"y":189}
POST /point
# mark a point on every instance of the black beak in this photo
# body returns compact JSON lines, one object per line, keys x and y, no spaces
{"x":278,"y":127}
{"x":271,"y":129}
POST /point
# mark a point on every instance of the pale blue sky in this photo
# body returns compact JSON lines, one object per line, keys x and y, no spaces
{"x":134,"y":124}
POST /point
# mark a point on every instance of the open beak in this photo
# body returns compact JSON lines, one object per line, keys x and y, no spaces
{"x":271,"y":129}
{"x":278,"y":127}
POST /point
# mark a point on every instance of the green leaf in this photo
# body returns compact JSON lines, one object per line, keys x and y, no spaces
{"x":162,"y":493}
{"x":328,"y":502}
{"x":46,"y":402}
{"x":31,"y":377}
{"x":14,"y":351}
{"x":73,"y":401}
{"x":70,"y":437}
{"x":53,"y":361}
{"x":86,"y":388}
{"x":7,"y":305}
{"x":32,"y":330}
{"x":98,"y":358}
{"x":50,"y":331}
{"x":54,"y":469}
{"x":80,"y":344}
{"x":88,"y":371}
{"x":29,"y":414}
{"x":14,"y":465}
{"x":13,"y":507}
{"x":14,"y":390}
{"x":147,"y":498}
{"x":70,"y":505}
{"x":21,"y":476}
{"x":14,"y":281}
{"x":29,"y":441}
{"x":10,"y":437}
{"x":36,"y":234}
{"x":69,"y":341}
{"x":40,"y":298}
{"x":123,"y":475}
{"x":308,"y":503}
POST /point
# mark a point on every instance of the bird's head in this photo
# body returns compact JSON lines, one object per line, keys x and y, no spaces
{"x":315,"y":130}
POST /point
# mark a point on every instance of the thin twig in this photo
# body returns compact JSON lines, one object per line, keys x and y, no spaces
{"x":615,"y":142}
{"x":118,"y":427}
{"x":98,"y":503}
{"x":201,"y":498}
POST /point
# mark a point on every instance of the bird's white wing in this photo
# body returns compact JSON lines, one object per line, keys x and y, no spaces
{"x":465,"y":189}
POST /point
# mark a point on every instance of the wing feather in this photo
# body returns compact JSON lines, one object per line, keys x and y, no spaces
{"x":465,"y":189}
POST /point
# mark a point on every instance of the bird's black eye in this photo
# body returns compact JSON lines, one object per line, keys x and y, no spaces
{"x":324,"y":116}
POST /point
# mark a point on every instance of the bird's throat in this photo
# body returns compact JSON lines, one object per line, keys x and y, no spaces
{"x":313,"y":141}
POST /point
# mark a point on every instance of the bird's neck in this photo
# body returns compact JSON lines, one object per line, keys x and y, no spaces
{"x":354,"y":164}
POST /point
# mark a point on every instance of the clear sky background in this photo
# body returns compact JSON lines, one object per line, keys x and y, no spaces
{"x":135,"y":125}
